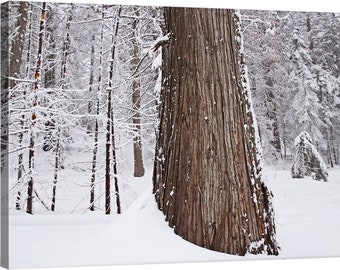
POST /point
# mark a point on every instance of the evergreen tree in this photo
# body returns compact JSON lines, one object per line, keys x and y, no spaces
{"x":307,"y":160}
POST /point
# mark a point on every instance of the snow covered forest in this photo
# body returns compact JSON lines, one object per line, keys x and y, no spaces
{"x":293,"y":60}
{"x":85,"y":89}
{"x":91,"y":58}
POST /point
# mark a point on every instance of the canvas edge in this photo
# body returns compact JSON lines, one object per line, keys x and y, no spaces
{"x":4,"y":134}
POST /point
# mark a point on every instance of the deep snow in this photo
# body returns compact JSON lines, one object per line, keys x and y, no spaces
{"x":307,"y":220}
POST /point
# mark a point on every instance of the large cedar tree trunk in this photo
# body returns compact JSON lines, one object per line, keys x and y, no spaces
{"x":207,"y":175}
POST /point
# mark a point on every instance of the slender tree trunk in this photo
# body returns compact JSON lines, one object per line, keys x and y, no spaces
{"x":114,"y":156}
{"x":284,"y":140}
{"x":96,"y":131}
{"x":96,"y":134}
{"x":329,"y":154}
{"x":332,"y":152}
{"x":56,"y":169}
{"x":31,"y":152}
{"x":336,"y":160}
{"x":107,"y":155}
{"x":90,"y":104}
{"x":28,"y":35}
{"x":20,"y":165}
{"x":57,"y":164}
{"x":115,"y":171}
{"x":271,"y":107}
{"x":94,"y":160}
{"x":110,"y":129}
{"x":136,"y":101}
{"x":207,"y":177}
{"x":108,"y":139}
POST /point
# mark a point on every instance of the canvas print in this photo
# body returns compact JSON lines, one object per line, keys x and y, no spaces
{"x":144,"y":134}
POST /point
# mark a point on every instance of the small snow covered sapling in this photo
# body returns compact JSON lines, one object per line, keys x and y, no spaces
{"x":307,"y":160}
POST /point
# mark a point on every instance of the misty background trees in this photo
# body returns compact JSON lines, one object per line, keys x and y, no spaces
{"x":95,"y":101}
{"x":293,"y":62}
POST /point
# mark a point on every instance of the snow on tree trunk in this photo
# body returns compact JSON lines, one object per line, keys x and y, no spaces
{"x":207,"y":175}
{"x":94,"y":159}
{"x":107,"y":154}
{"x":57,"y":166}
{"x":96,"y":132}
{"x":136,"y":100}
{"x":91,"y":81}
{"x":23,"y":120}
{"x":31,"y":153}
{"x":307,"y":160}
{"x":62,"y":126}
{"x":110,"y":141}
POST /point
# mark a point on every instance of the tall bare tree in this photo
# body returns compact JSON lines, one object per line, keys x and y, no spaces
{"x":60,"y":128}
{"x":110,"y":142}
{"x":96,"y":130}
{"x":207,"y":177}
{"x":136,"y":99}
{"x":23,"y":120}
{"x":37,"y":81}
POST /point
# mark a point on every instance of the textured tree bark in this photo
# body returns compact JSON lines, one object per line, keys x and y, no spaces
{"x":207,"y":175}
{"x":136,"y":101}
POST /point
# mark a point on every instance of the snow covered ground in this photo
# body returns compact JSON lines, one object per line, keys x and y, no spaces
{"x":307,"y":220}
